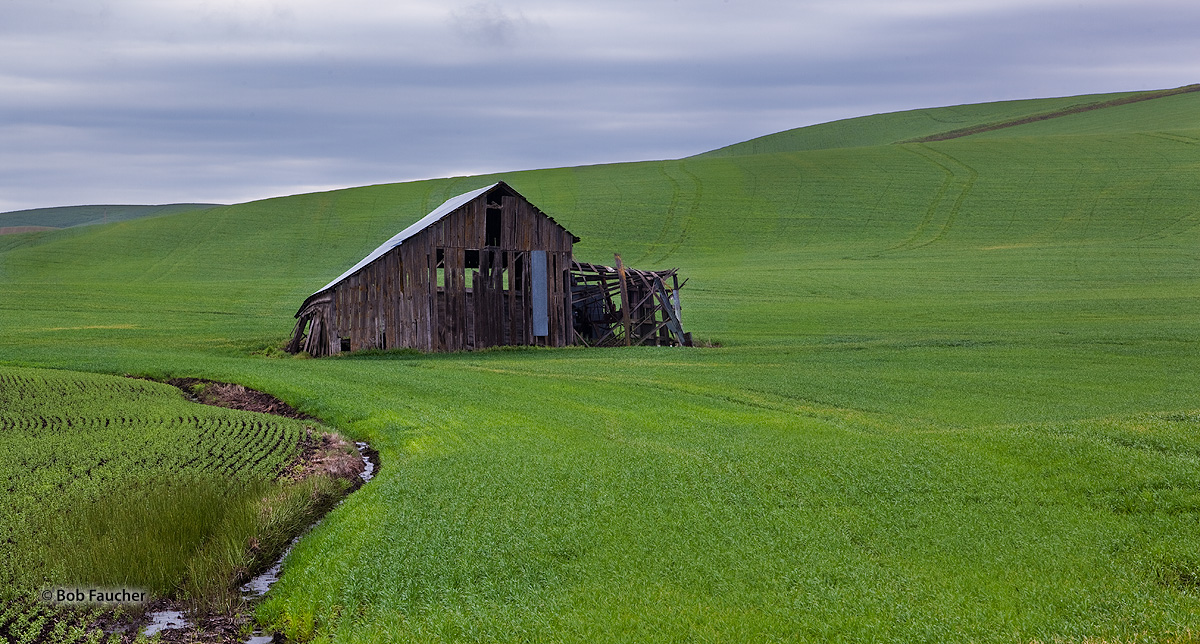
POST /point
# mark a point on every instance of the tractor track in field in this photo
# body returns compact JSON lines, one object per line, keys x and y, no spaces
{"x":943,"y":209}
{"x":1182,"y":224}
{"x":1177,"y":227}
{"x":1045,"y":116}
{"x":1174,"y":138}
{"x":680,"y":214}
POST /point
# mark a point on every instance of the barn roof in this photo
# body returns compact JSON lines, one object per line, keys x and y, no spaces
{"x":449,"y":206}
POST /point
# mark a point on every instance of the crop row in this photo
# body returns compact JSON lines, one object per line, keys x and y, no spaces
{"x":70,"y":439}
{"x":26,"y":622}
{"x":48,"y":449}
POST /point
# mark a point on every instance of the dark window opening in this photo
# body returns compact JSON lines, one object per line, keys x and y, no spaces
{"x":345,"y":344}
{"x":470,"y":267}
{"x":492,"y":227}
{"x":440,"y":277}
{"x":518,"y":270}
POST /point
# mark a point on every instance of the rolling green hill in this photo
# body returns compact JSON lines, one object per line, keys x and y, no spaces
{"x":67,"y":216}
{"x":1090,"y":114}
{"x":956,"y":397}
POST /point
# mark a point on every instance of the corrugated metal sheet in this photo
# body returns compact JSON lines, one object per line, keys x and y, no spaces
{"x":446,"y":208}
{"x":541,"y":297}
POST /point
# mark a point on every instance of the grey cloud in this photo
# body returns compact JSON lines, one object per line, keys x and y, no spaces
{"x":158,"y":122}
{"x":489,"y":24}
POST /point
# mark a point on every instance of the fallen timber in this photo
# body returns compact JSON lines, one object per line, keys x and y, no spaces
{"x":622,"y":306}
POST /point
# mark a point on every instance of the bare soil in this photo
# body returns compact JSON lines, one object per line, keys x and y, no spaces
{"x":17,"y":230}
{"x":326,"y":454}
{"x":225,"y":394}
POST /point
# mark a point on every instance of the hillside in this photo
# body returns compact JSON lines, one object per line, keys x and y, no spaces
{"x":1091,"y":114}
{"x":955,"y":397}
{"x":67,"y":216}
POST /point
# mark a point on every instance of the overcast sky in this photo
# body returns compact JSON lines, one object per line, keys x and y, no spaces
{"x":158,"y":101}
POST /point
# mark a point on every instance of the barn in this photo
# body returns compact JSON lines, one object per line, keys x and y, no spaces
{"x":485,"y":268}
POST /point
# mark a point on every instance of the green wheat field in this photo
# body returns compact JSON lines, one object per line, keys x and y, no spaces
{"x":954,"y":394}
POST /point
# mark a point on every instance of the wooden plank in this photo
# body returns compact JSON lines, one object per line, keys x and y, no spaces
{"x":368,"y":312}
{"x":483,"y":313}
{"x":355,"y":307}
{"x":560,"y":332}
{"x":394,"y":331}
{"x":373,"y":287}
{"x":412,"y":289}
{"x":508,"y":216}
{"x":567,"y":299}
{"x":389,"y":299}
{"x":403,"y":314}
{"x":423,"y":340}
{"x":556,"y":299}
{"x":451,"y":295}
{"x":407,"y":316}
{"x":525,"y":237}
{"x":385,"y":290}
{"x":339,"y":308}
{"x":670,"y":311}
{"x":624,"y":299}
{"x":421,"y":295}
{"x":526,"y":298}
{"x":480,"y":225}
{"x":510,"y":296}
{"x":435,"y":321}
{"x":355,"y":333}
{"x":496,"y":295}
{"x":469,"y":216}
{"x":492,"y":292}
{"x":458,"y":292}
{"x":461,"y":285}
{"x":376,"y":287}
{"x":447,"y":298}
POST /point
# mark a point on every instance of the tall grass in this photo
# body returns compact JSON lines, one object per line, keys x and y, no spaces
{"x":194,"y":538}
{"x":152,"y":534}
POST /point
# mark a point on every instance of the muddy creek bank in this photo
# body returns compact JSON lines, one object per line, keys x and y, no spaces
{"x":322,"y":454}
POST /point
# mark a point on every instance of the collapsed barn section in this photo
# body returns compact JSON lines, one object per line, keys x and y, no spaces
{"x":486,"y":268}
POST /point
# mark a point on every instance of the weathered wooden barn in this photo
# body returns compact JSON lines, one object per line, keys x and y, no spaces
{"x":486,"y":268}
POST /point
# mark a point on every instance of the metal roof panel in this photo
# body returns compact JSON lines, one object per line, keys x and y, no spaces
{"x":449,"y":206}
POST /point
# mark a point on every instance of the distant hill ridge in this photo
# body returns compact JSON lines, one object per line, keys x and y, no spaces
{"x":1160,"y":111}
{"x":1066,"y":111}
{"x":20,"y":221}
{"x":1173,"y":109}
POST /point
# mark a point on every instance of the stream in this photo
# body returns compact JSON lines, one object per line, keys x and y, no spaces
{"x":254,"y":589}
